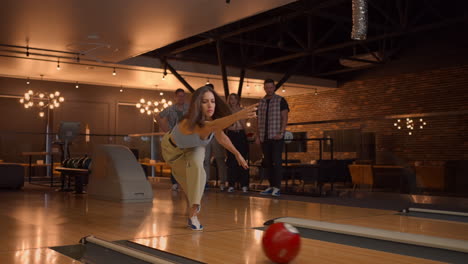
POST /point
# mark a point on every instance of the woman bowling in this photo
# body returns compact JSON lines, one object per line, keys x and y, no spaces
{"x":183,"y":148}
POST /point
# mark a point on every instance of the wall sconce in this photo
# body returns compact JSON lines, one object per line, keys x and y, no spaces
{"x":409,"y":124}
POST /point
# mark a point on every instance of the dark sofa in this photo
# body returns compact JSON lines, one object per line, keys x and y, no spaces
{"x":11,"y":175}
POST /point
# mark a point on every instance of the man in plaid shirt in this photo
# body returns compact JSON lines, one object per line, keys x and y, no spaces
{"x":272,"y":120}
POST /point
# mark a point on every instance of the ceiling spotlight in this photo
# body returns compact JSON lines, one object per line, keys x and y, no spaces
{"x":27,"y":81}
{"x":161,"y":93}
{"x":77,"y":86}
{"x":207,"y":81}
{"x":114,"y":73}
{"x":58,"y":64}
{"x":165,"y":71}
{"x":41,"y":114}
{"x":121,"y":90}
{"x":316,"y":93}
{"x":283,"y":90}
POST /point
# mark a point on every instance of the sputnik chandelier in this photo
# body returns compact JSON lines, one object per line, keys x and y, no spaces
{"x":41,"y":100}
{"x":152,"y":107}
{"x":410,"y":124}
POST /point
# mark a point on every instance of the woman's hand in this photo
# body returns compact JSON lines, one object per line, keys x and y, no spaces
{"x":248,"y":112}
{"x":242,"y":161}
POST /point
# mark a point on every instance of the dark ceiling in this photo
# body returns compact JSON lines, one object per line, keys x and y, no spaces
{"x":312,"y":37}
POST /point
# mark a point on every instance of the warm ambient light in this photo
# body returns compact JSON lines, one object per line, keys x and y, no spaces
{"x":114,"y":72}
{"x":410,"y":124}
{"x":41,"y":100}
{"x":152,"y":106}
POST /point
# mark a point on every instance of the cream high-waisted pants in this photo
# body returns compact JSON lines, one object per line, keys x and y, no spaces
{"x":187,"y":167}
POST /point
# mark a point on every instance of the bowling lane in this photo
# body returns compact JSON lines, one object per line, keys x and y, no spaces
{"x":414,"y":225}
{"x":37,"y":255}
{"x":244,"y":246}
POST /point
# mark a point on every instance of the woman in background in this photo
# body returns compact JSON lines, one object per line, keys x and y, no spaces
{"x":237,"y":135}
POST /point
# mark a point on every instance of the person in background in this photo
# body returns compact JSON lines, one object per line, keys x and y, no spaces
{"x":170,"y":116}
{"x":219,"y":157}
{"x":272,"y":120}
{"x":236,"y":133}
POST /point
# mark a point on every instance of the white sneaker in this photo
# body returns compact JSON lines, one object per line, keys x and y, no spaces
{"x":195,"y":224}
{"x":231,"y":189}
{"x":175,"y":187}
{"x":268,"y":191}
{"x":245,"y":189}
{"x":276,"y":192}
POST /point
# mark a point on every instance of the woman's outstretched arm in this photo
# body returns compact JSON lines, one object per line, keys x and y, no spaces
{"x":222,"y":123}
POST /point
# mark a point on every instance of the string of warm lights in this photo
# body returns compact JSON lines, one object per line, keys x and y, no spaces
{"x":410,"y":124}
{"x":67,"y":57}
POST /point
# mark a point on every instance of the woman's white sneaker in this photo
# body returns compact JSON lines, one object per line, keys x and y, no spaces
{"x":195,"y":224}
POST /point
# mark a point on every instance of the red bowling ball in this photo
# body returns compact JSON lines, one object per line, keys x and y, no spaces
{"x":281,"y":242}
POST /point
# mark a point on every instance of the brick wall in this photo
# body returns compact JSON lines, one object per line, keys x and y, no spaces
{"x":373,"y":105}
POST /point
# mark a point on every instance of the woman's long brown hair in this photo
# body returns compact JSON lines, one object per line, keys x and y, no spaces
{"x":194,"y":115}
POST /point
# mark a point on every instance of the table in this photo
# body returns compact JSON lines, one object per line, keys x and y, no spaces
{"x":78,"y":174}
{"x":31,"y":165}
{"x":381,"y":176}
{"x":156,"y":165}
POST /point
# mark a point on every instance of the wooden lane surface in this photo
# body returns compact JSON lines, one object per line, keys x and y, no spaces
{"x":38,"y":217}
{"x":244,"y":246}
{"x":33,"y":256}
{"x":415,"y":225}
